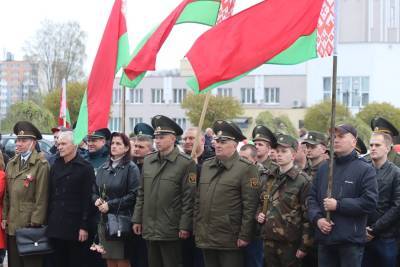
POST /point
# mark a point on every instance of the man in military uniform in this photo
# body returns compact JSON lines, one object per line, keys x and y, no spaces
{"x":98,"y":147}
{"x":316,"y":143}
{"x":226,"y":201}
{"x":142,"y":143}
{"x":264,"y":139}
{"x":286,"y":230}
{"x":379,"y":124}
{"x":164,"y":206}
{"x":25,"y":201}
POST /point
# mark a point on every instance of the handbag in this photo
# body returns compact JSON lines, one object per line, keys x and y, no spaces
{"x":33,"y":241}
{"x":118,"y":226}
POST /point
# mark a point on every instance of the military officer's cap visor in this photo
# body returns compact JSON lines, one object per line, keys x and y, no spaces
{"x":25,"y":129}
{"x":100,"y":133}
{"x":227,"y":130}
{"x":262,"y":133}
{"x":379,"y":124}
{"x":164,"y":125}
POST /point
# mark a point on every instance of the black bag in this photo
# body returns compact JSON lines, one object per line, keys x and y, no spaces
{"x":33,"y":241}
{"x":118,"y":227}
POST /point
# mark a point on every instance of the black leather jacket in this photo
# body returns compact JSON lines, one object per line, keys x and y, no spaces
{"x":118,"y":186}
{"x":384,"y":220}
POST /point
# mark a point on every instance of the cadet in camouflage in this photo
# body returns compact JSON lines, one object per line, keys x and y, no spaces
{"x":316,"y":143}
{"x":282,"y":211}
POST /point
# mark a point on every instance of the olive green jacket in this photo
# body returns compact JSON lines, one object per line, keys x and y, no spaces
{"x":286,"y":216}
{"x":164,"y":204}
{"x":25,"y":202}
{"x":226,"y":203}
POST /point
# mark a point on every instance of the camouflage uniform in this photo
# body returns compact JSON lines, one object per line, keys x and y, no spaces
{"x":286,"y":228}
{"x":312,"y":170}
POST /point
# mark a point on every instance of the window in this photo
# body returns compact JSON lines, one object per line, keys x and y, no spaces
{"x":133,"y":121}
{"x":115,"y":124}
{"x":157,"y":95}
{"x":116,"y":95}
{"x":247,"y":96}
{"x":178,"y":95}
{"x":136,"y":96}
{"x":271,"y":95}
{"x":352,"y":92}
{"x":224,"y":92}
{"x":181,"y":122}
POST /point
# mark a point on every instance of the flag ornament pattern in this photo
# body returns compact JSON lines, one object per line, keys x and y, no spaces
{"x":225,"y":10}
{"x":326,"y":29}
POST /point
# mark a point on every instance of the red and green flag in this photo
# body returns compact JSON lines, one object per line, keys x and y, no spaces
{"x":63,"y":117}
{"x":112,"y":54}
{"x":207,"y":12}
{"x":271,"y":32}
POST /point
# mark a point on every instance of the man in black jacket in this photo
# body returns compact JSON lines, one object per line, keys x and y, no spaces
{"x":381,"y":248}
{"x":70,"y":188}
{"x":354,"y":195}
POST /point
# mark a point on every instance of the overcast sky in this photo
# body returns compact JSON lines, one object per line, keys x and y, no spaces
{"x":19,"y":20}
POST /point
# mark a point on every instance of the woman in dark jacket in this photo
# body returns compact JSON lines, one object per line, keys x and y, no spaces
{"x":70,"y":187}
{"x":117,"y":182}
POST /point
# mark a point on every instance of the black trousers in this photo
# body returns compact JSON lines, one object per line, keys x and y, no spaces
{"x":67,"y":253}
{"x":15,"y":260}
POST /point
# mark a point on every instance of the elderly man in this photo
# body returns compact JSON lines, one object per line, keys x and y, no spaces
{"x":226,"y":201}
{"x":25,"y":201}
{"x":354,"y":195}
{"x":71,"y":180}
{"x":164,"y":205}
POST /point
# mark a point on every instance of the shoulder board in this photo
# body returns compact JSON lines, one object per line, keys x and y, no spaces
{"x":151,"y":154}
{"x":186,"y":156}
{"x":245,"y":161}
{"x":42,"y":157}
{"x":208,"y":159}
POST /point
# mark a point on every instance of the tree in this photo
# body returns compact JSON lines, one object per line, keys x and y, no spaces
{"x":75,"y":93}
{"x":28,"y":111}
{"x":385,"y":110}
{"x":219,"y":108}
{"x":59,"y":48}
{"x":318,"y":117}
{"x":281,"y":124}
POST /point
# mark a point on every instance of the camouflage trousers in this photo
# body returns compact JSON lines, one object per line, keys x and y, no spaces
{"x":280,"y":254}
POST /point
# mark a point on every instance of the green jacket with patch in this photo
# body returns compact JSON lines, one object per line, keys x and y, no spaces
{"x":164,"y":204}
{"x":226,"y":203}
{"x":25,"y":200}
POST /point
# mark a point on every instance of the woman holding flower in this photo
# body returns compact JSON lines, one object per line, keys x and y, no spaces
{"x":117,"y":182}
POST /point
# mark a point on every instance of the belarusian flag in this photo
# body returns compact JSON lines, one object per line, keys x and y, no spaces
{"x":207,"y":12}
{"x":113,"y":53}
{"x":272,"y":32}
{"x":63,"y":117}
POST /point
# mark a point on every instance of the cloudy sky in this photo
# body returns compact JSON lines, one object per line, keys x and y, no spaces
{"x":19,"y":20}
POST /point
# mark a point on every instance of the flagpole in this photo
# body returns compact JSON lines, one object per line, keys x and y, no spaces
{"x":123,"y":108}
{"x":228,"y":4}
{"x":333,"y":109}
{"x":64,"y":85}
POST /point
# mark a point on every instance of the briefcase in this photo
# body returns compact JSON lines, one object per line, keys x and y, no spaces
{"x":33,"y":241}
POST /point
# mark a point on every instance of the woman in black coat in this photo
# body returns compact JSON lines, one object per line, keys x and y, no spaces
{"x":117,"y":182}
{"x":70,"y":184}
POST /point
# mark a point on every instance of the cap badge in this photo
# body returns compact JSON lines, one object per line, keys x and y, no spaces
{"x":140,"y":132}
{"x":376,"y":128}
{"x":257,"y":135}
{"x":311,"y":137}
{"x":158,"y":128}
{"x":281,"y":138}
{"x":219,"y":133}
{"x":21,"y":133}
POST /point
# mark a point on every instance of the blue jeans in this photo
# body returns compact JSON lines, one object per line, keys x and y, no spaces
{"x":344,"y":255}
{"x":380,"y":252}
{"x":254,"y":254}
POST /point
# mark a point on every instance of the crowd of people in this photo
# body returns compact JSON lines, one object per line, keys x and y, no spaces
{"x":162,"y":199}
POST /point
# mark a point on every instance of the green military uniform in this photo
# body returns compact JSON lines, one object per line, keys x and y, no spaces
{"x":286,"y":228}
{"x":226,"y":203}
{"x":165,"y":200}
{"x":25,"y":200}
{"x":262,"y":133}
{"x":314,"y":138}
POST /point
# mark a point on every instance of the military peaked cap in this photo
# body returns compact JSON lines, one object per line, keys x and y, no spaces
{"x":379,"y":124}
{"x":227,"y":130}
{"x":25,"y":129}
{"x":164,"y":125}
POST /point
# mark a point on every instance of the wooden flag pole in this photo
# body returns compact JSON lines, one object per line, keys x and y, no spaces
{"x":123,"y":106}
{"x":333,"y":110}
{"x":201,"y":122}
